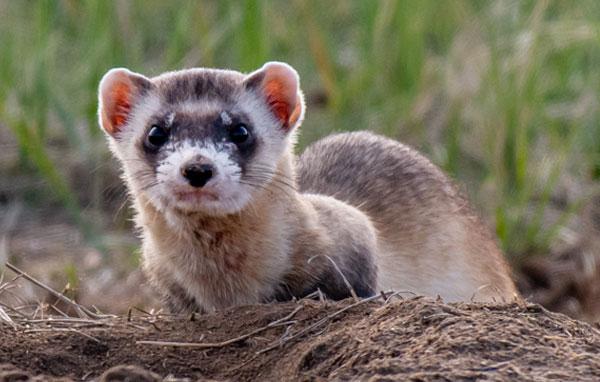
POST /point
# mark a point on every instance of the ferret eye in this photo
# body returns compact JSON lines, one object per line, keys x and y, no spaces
{"x":157,"y":136}
{"x":239,"y":133}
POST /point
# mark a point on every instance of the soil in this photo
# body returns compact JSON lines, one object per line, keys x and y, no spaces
{"x":415,"y":339}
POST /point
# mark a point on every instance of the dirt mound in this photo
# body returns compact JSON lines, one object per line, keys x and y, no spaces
{"x":416,"y":339}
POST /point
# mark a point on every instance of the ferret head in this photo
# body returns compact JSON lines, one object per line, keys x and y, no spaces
{"x":201,"y":140}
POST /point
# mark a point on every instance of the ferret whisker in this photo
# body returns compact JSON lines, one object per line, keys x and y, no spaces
{"x":135,"y":160}
{"x":149,"y":186}
{"x":274,"y":174}
{"x":143,"y":173}
{"x":268,"y":180}
{"x":118,"y":211}
{"x":287,"y":192}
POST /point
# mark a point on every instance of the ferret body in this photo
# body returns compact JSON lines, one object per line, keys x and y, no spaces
{"x":229,"y":216}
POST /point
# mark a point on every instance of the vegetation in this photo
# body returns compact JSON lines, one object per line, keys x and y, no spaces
{"x":501,"y":94}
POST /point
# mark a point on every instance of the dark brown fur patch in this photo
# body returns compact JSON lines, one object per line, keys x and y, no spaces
{"x":178,"y":87}
{"x":178,"y":301}
{"x":357,"y":266}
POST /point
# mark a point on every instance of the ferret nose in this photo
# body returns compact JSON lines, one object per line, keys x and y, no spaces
{"x":197,"y":174}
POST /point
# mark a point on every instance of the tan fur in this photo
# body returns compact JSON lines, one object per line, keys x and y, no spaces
{"x":359,"y":204}
{"x":429,"y":240}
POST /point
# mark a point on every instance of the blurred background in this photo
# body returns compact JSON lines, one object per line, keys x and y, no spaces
{"x":503,"y":95}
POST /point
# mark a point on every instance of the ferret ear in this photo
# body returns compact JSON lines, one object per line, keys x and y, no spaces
{"x":280,"y":86}
{"x":118,"y":92}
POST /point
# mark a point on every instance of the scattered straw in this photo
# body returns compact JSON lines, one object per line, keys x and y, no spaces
{"x":6,"y":318}
{"x":322,"y":321}
{"x":69,"y":330}
{"x":339,"y":271}
{"x":82,"y":311}
{"x":208,"y":345}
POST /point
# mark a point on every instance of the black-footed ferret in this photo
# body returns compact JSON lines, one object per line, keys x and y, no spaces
{"x":229,"y":216}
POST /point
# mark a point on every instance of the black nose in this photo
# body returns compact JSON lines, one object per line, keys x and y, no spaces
{"x":198,"y":174}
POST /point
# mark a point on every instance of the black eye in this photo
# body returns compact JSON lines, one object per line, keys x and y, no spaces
{"x":157,"y":136}
{"x":239,"y":133}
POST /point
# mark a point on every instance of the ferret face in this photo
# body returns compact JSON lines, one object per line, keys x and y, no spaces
{"x":200,"y":140}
